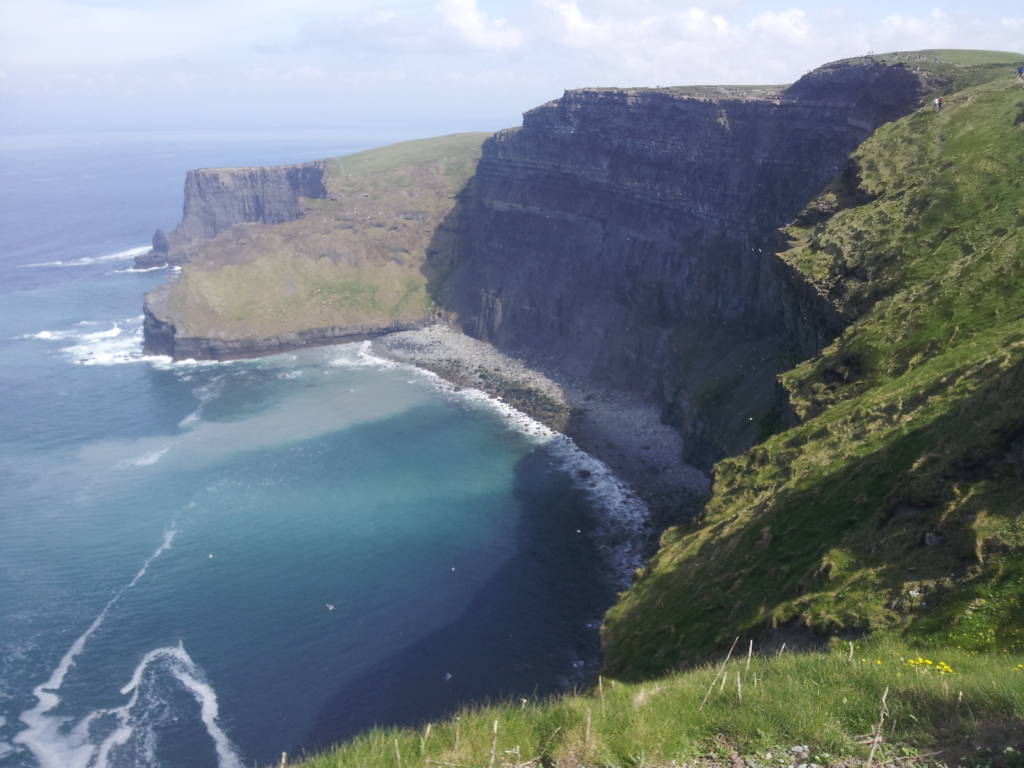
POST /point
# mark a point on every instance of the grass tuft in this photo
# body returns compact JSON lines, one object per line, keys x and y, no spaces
{"x":776,"y":710}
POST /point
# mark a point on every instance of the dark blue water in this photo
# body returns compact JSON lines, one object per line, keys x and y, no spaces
{"x":209,"y":564}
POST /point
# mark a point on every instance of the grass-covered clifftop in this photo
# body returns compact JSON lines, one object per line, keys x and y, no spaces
{"x":354,"y":258}
{"x":897,"y":504}
{"x":816,"y":709}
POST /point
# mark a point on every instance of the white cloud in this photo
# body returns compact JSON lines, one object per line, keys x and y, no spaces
{"x":473,"y":56}
{"x":575,"y":30}
{"x":476,"y":28}
{"x":790,"y":26}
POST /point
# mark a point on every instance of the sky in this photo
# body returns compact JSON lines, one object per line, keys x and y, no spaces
{"x":90,"y":65}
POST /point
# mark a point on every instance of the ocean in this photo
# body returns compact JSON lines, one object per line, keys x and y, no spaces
{"x":209,"y":564}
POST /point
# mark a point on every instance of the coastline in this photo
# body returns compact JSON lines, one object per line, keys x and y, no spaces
{"x":616,"y":428}
{"x":627,"y":436}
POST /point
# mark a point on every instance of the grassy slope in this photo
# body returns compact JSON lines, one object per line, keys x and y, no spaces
{"x":354,"y":259}
{"x":826,"y":701}
{"x":897,"y":504}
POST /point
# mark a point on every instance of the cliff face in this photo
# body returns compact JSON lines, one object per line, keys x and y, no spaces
{"x":300,"y":255}
{"x":628,"y":237}
{"x":217,"y":199}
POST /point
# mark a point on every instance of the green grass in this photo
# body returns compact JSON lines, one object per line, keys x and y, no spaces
{"x":957,"y":56}
{"x":457,"y":152}
{"x":895,"y":506}
{"x":945,"y":71}
{"x":354,"y":260}
{"x":828,"y":702}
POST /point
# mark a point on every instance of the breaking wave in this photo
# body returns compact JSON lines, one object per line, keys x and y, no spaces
{"x":119,"y":344}
{"x":135,"y":270}
{"x":124,"y":255}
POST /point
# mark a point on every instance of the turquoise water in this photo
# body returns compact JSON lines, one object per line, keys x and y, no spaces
{"x":209,"y":564}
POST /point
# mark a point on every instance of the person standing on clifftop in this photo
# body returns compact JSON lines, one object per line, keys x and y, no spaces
{"x":1020,"y":71}
{"x":938,"y":102}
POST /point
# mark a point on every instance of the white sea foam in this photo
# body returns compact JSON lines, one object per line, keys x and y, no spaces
{"x":133,"y":718}
{"x":205,"y":395}
{"x":145,"y":460}
{"x":165,"y":363}
{"x":96,"y":739}
{"x":192,"y":418}
{"x":124,"y":255}
{"x":623,"y":518}
{"x":119,"y":344}
{"x":358,"y":355}
{"x":136,"y":270}
{"x":113,"y":347}
{"x":50,"y":335}
{"x":44,"y":735}
{"x":111,"y":333}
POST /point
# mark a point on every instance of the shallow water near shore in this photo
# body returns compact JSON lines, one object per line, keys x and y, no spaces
{"x":208,"y":564}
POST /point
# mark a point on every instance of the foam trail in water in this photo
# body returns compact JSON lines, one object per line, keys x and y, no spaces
{"x":227,"y":757}
{"x":145,"y":460}
{"x":42,"y":735}
{"x":124,"y":255}
{"x":204,"y":394}
{"x":134,"y":720}
{"x":137,"y":270}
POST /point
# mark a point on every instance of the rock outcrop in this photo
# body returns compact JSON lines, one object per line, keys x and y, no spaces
{"x":217,"y":199}
{"x":302,"y":255}
{"x":627,"y":237}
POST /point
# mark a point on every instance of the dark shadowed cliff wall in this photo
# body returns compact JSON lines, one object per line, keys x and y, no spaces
{"x":626,"y":238}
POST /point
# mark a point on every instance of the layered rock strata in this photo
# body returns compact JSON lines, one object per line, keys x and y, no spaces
{"x":627,"y":237}
{"x":217,"y":199}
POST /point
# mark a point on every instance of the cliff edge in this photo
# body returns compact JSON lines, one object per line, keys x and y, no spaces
{"x":217,"y":199}
{"x":626,"y":237}
{"x":294,"y":256}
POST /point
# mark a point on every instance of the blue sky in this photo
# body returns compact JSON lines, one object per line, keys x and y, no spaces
{"x":73,"y":65}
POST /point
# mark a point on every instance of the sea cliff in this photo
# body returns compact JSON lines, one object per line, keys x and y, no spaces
{"x":627,"y":237}
{"x":217,"y":199}
{"x":319,"y":253}
{"x":621,"y":242}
